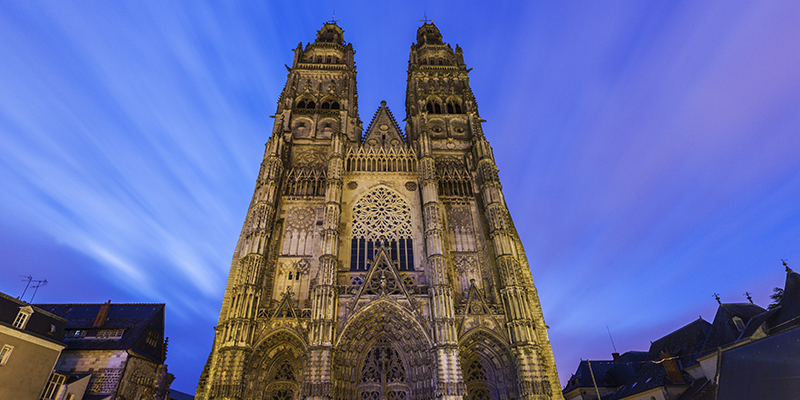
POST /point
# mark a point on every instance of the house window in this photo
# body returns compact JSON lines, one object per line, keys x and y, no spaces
{"x":152,"y":338}
{"x":109,"y":333}
{"x":5,"y":353}
{"x":53,"y":387}
{"x":22,"y":317}
{"x":75,"y":334}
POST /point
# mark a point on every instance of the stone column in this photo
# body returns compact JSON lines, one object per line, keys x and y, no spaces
{"x":449,"y":382}
{"x":236,"y":328}
{"x":318,"y":382}
{"x":532,"y":374}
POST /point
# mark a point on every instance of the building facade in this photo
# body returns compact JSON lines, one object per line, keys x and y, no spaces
{"x":380,"y":263}
{"x":31,"y":339}
{"x":119,"y":347}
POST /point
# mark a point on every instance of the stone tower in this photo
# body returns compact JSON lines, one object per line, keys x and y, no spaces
{"x":379,"y":264}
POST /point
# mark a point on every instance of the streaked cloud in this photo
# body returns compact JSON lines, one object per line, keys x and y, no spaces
{"x":648,"y":151}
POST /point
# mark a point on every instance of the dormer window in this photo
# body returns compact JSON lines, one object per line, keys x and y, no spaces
{"x":739,"y":323}
{"x":22,"y":317}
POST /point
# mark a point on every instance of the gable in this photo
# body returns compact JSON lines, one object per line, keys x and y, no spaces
{"x":383,"y":131}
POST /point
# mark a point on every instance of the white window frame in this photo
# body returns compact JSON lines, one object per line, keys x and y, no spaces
{"x":24,"y":315}
{"x":5,"y":353}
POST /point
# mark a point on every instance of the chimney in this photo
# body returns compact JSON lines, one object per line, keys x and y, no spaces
{"x":671,"y":366}
{"x":102,"y":315}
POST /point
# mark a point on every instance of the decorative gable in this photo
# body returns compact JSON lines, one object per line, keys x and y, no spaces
{"x":383,"y":131}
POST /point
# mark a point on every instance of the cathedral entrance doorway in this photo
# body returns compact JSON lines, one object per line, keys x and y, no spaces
{"x":383,"y":376}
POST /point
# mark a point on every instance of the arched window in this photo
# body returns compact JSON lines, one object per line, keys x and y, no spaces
{"x":382,"y":218}
{"x":330,"y":105}
{"x":301,"y":104}
{"x":437,"y":108}
{"x":311,"y":104}
{"x":429,"y":107}
{"x":458,"y":108}
{"x":450,"y":108}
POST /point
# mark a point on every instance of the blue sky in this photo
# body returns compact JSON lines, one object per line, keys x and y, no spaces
{"x":648,"y":150}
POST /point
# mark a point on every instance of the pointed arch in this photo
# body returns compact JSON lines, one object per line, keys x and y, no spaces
{"x":383,"y":328}
{"x":275,"y":369}
{"x":487,"y":366}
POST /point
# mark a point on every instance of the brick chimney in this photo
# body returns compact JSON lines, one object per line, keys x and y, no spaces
{"x":102,"y":315}
{"x":671,"y":366}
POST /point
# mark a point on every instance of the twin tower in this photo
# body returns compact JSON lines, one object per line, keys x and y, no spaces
{"x":379,"y":264}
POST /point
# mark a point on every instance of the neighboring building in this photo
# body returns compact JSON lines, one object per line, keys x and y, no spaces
{"x":31,"y":340}
{"x":114,"y":351}
{"x":177,"y":395}
{"x":379,"y":264}
{"x":604,"y":377}
{"x":746,"y":353}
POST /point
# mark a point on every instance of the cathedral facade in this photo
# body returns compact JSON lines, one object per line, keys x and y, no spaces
{"x":379,"y":264}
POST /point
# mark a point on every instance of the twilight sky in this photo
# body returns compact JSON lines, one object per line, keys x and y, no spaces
{"x":649,"y":151}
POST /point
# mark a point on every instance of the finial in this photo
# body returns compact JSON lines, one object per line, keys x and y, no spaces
{"x":747,"y":294}
{"x":716,"y":296}
{"x":383,"y":103}
{"x":333,"y":18}
{"x":425,"y":20}
{"x":786,"y":265}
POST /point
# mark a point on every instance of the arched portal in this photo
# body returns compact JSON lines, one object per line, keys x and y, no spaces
{"x":383,"y":353}
{"x":383,"y":373}
{"x":275,"y":370}
{"x":487,"y":366}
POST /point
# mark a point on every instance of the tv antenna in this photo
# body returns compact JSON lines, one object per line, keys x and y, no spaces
{"x":39,"y":283}
{"x":612,"y":339}
{"x":29,"y":279}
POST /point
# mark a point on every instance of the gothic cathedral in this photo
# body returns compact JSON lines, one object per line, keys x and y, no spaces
{"x":379,"y":264}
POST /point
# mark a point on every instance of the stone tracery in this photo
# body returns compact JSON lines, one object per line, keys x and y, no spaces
{"x":381,"y":218}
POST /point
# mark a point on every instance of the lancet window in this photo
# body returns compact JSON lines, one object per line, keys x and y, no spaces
{"x":307,"y":177}
{"x":454,"y":179}
{"x":306,"y":104}
{"x":382,"y":218}
{"x":330,"y":105}
{"x":453,"y":107}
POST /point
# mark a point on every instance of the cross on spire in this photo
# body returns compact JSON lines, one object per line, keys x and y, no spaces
{"x":425,"y":19}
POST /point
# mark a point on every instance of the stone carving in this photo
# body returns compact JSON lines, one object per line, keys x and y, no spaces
{"x":381,"y":212}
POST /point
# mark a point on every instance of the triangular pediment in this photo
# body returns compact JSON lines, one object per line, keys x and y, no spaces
{"x":286,"y":307}
{"x":476,"y":307}
{"x":384,"y":280}
{"x":383,"y":131}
